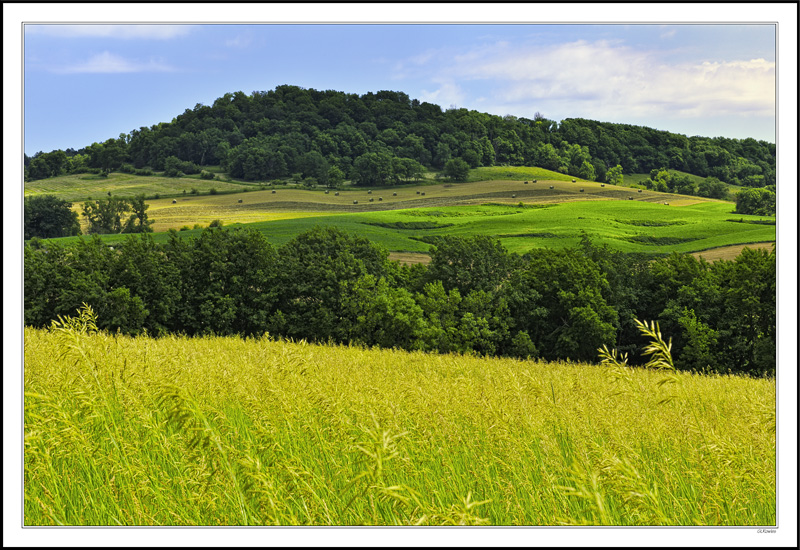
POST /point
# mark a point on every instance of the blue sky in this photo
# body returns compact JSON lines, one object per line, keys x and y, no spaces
{"x":87,"y":83}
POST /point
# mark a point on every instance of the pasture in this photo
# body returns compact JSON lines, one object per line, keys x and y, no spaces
{"x":630,"y":226}
{"x":228,"y":431}
{"x":551,"y":212}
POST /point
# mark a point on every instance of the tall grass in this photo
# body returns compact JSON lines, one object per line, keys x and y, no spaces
{"x":225,"y":431}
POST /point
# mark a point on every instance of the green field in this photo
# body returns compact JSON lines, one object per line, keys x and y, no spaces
{"x":228,"y":431}
{"x":487,"y":173}
{"x":630,"y":226}
{"x":554,"y":212}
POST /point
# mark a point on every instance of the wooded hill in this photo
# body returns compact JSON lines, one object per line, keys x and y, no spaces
{"x":386,"y":137}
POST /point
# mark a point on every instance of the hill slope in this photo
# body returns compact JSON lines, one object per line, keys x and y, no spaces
{"x":386,"y":137}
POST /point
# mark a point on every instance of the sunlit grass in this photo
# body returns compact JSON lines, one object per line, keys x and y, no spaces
{"x":225,"y":431}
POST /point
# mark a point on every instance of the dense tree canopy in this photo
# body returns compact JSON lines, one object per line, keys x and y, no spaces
{"x":475,"y":297}
{"x":47,"y":216}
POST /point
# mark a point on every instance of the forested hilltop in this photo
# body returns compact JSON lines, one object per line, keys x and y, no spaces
{"x":386,"y":137}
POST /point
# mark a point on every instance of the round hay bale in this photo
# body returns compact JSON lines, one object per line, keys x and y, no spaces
{"x":380,"y":199}
{"x":176,"y":202}
{"x":273,"y":191}
{"x":534,"y":181}
{"x":369,"y":192}
{"x":630,"y":198}
{"x":394,"y":194}
{"x":355,"y":202}
{"x":326,"y":191}
{"x":581,"y":189}
{"x":573,"y":181}
{"x":417,"y":192}
{"x":240,"y":201}
{"x":640,"y":190}
{"x":602,"y":185}
{"x":513,"y":196}
{"x":526,"y":183}
{"x":552,"y":187}
{"x":336,"y":194}
{"x":423,"y":194}
{"x":371,"y":199}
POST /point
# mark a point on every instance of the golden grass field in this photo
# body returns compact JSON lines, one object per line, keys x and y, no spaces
{"x":227,"y":431}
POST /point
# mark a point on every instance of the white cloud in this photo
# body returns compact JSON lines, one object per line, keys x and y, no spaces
{"x":240,"y":41}
{"x":612,"y":80}
{"x":108,"y":63}
{"x":147,"y":32}
{"x":446,"y":95}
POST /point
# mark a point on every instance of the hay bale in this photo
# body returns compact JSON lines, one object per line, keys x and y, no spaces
{"x":630,"y":198}
{"x":371,"y":199}
{"x":534,"y":181}
{"x":417,"y":192}
{"x":513,"y":196}
{"x":336,"y":194}
{"x":602,"y":185}
{"x":640,"y":190}
{"x":423,"y":194}
{"x":394,"y":194}
{"x":355,"y":202}
{"x":273,"y":191}
{"x":526,"y":183}
{"x":380,"y":199}
{"x":552,"y":187}
{"x":326,"y":191}
{"x":581,"y":189}
{"x":573,"y":181}
{"x":176,"y":202}
{"x":369,"y":192}
{"x":240,"y":201}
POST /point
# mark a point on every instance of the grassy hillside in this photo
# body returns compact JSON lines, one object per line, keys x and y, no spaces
{"x":225,"y":431}
{"x":80,"y":187}
{"x":485,"y":173}
{"x":631,"y":226}
{"x":554,"y":211}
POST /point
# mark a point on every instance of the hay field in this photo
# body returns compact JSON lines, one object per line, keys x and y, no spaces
{"x":81,"y":187}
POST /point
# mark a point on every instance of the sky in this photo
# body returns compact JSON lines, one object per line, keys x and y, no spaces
{"x":87,"y":83}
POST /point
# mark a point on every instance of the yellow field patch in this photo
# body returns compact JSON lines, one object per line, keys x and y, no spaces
{"x":730,"y":252}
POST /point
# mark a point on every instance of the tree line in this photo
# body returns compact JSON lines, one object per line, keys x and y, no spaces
{"x":326,"y":285}
{"x":48,"y":217}
{"x":386,"y":137}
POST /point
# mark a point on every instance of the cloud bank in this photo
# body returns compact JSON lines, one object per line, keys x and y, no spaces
{"x":608,"y":79}
{"x":108,"y":63}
